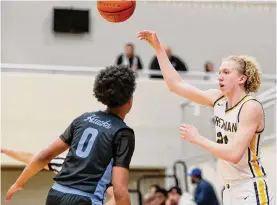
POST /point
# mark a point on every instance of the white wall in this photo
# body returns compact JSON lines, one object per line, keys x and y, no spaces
{"x":196,"y":31}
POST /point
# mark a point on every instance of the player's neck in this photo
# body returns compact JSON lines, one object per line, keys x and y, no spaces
{"x":116,"y":112}
{"x":235,"y":97}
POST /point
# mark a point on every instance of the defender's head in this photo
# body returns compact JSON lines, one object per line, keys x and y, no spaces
{"x":114,"y":87}
{"x":239,"y":72}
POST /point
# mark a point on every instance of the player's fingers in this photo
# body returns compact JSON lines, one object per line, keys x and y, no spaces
{"x":8,"y":195}
{"x":145,"y":33}
{"x":183,"y":137}
{"x":142,"y":33}
{"x":184,"y":125}
{"x":142,"y":37}
{"x":11,"y":191}
{"x":189,"y":126}
{"x":139,"y":34}
{"x":183,"y":129}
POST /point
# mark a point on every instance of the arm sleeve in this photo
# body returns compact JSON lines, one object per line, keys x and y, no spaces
{"x":67,"y":136}
{"x":123,"y":148}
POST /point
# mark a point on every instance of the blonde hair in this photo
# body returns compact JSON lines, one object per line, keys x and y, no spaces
{"x":251,"y":69}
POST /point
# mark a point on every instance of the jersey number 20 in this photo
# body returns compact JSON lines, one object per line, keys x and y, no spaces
{"x":220,"y":139}
{"x":81,"y":152}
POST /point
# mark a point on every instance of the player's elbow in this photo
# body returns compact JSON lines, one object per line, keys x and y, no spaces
{"x":235,"y":158}
{"x":173,"y":85}
{"x":171,"y":88}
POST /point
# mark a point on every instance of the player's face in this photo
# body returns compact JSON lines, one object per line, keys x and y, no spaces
{"x":229,"y":77}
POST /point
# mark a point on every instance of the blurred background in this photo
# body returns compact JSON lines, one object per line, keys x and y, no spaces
{"x":48,"y":67}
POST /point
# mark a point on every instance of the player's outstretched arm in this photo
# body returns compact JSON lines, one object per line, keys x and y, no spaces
{"x":37,"y":164}
{"x":120,"y":186}
{"x":20,"y":156}
{"x":249,"y":120}
{"x":173,"y":80}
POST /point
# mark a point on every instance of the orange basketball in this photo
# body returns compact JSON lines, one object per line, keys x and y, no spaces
{"x":116,"y":11}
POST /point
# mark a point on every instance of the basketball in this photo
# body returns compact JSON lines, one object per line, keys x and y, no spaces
{"x":116,"y":11}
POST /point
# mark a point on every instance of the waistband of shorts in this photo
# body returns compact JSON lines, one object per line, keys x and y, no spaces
{"x":228,"y":185}
{"x":69,"y":190}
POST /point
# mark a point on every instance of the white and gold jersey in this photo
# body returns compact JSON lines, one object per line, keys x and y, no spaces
{"x":226,"y":124}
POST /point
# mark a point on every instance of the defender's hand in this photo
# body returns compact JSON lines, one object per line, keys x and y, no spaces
{"x":14,"y":188}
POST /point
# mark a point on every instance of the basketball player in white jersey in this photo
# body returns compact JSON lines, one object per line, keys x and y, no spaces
{"x":239,"y":121}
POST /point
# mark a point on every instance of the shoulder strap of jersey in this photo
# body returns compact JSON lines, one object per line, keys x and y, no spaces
{"x":218,"y":99}
{"x":252,"y":98}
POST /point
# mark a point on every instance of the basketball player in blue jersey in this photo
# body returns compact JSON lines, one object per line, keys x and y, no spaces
{"x":100,"y":147}
{"x":239,"y":123}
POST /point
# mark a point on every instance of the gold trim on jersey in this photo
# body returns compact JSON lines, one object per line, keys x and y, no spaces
{"x":253,"y":157}
{"x":261,"y":191}
{"x":259,"y":132}
{"x":236,"y":105}
{"x":218,"y":100}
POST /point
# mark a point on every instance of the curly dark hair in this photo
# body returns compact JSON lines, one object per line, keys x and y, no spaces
{"x":114,"y":85}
